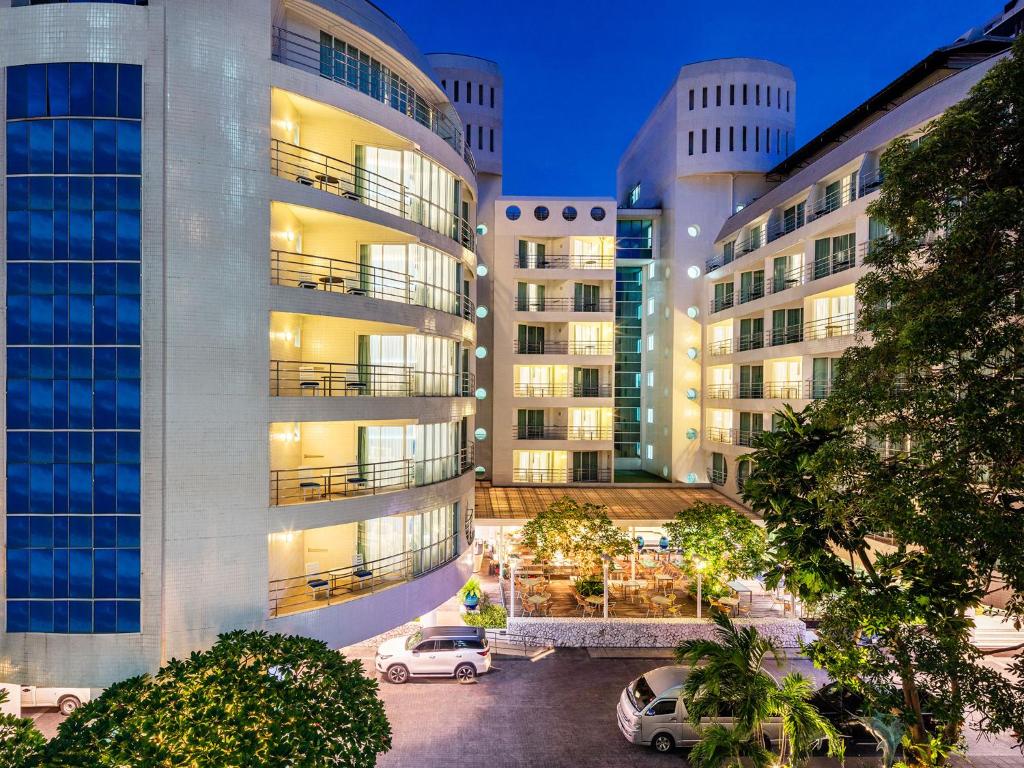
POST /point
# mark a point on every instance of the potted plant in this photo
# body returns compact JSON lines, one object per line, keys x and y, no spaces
{"x":589,"y":586}
{"x":471,"y":593}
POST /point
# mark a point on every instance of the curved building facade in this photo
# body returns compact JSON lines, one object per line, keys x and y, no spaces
{"x":240,"y":275}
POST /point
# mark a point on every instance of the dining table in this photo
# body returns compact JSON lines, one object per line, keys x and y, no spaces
{"x":661,"y":601}
{"x":531,"y":584}
{"x":730,"y":603}
{"x":630,"y":587}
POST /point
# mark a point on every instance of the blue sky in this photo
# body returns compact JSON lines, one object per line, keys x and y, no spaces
{"x":582,"y":75}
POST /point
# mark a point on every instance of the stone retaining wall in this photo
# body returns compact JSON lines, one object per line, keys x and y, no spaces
{"x":646,"y":633}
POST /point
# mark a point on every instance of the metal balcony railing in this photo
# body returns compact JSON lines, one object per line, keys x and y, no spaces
{"x":719,"y":435}
{"x":753,"y":293}
{"x":719,"y":348}
{"x":313,"y":484}
{"x":788,"y":279}
{"x":561,"y":476}
{"x":321,"y":589}
{"x":719,"y":303}
{"x":840,"y":261}
{"x":578,"y":261}
{"x":558,"y":432}
{"x":717,"y":476}
{"x":376,"y":82}
{"x":303,"y":270}
{"x":784,"y":390}
{"x":719,"y":392}
{"x":565,"y":304}
{"x":870,"y":181}
{"x":749,"y":341}
{"x":292,"y":378}
{"x":344,"y":179}
{"x":562,"y":390}
{"x":562,"y":348}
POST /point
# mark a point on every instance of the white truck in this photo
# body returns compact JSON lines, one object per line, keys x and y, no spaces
{"x":20,"y":697}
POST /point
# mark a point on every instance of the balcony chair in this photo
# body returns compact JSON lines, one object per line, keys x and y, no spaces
{"x":309,"y":484}
{"x":316,"y":584}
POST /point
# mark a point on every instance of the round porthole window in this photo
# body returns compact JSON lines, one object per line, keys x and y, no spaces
{"x":692,"y":312}
{"x":481,"y":229}
{"x":691,"y":394}
{"x":569,"y":213}
{"x":597,"y":213}
{"x":481,"y":393}
{"x":541,"y":213}
{"x":481,"y":312}
{"x":693,"y":230}
{"x":470,"y":524}
{"x":693,"y":272}
{"x":513,"y":212}
{"x":480,"y":433}
{"x":691,"y":478}
{"x":481,"y":270}
{"x":691,"y":434}
{"x":481,"y":353}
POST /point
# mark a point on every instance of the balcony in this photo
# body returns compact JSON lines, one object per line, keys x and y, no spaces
{"x":784,"y":390}
{"x":292,"y":378}
{"x":719,"y":348}
{"x":368,"y":78}
{"x":344,"y":179}
{"x":840,"y":261}
{"x":314,"y":484}
{"x":720,"y":435}
{"x":320,"y":589}
{"x":562,"y":390}
{"x":719,"y":303}
{"x":717,"y":476}
{"x":301,"y":270}
{"x":565,"y":304}
{"x":748,"y":341}
{"x":753,"y":293}
{"x":577,"y":261}
{"x":562,"y":348}
{"x":791,"y":278}
{"x":555,"y":432}
{"x":561,"y":476}
{"x":815,"y":330}
{"x":869,"y":182}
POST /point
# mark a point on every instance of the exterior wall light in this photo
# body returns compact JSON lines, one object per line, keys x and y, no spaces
{"x":481,"y":270}
{"x":481,"y":229}
{"x":481,"y":353}
{"x":693,"y":272}
{"x":691,"y":394}
{"x":693,"y":230}
{"x":691,"y":478}
{"x":691,"y":434}
{"x":692,"y":353}
{"x":481,"y":394}
{"x":481,"y":311}
{"x":480,"y":433}
{"x":692,"y":312}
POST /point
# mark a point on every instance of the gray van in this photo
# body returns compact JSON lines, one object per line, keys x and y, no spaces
{"x":650,"y":712}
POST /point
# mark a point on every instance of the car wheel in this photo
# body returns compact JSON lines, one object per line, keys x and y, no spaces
{"x":663,"y":743}
{"x":68,"y":704}
{"x":397,"y":674}
{"x":465,"y":673}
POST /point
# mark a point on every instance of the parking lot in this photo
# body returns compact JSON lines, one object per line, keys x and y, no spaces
{"x":557,"y":711}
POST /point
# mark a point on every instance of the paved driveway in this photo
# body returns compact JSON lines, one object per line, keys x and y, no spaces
{"x":557,"y":711}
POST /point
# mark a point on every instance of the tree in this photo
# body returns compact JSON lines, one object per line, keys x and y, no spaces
{"x":580,"y":532}
{"x":252,"y":699}
{"x":726,"y":541}
{"x":922,"y":437}
{"x":887,"y":613}
{"x":20,"y":743}
{"x":728,"y":674}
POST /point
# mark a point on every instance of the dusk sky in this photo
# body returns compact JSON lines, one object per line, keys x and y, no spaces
{"x":581,"y":77}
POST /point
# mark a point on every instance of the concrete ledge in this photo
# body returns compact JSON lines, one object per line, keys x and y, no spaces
{"x":646,"y":633}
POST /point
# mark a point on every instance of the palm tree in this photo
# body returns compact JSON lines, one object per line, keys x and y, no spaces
{"x":728,"y":675}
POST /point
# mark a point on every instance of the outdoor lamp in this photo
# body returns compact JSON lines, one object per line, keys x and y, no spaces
{"x":699,"y":566}
{"x":663,"y":543}
{"x":639,"y":543}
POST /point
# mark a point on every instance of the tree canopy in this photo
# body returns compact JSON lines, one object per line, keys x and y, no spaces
{"x":581,"y":532}
{"x":728,"y":543}
{"x":252,"y":699}
{"x":20,"y":743}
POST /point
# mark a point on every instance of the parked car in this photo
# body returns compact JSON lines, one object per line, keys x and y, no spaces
{"x":459,"y":652}
{"x":843,"y":707}
{"x":650,"y":712}
{"x":67,"y":700}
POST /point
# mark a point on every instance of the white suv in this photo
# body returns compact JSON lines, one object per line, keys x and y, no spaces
{"x":459,"y":652}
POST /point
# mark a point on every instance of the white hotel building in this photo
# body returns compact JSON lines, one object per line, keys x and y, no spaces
{"x":269,"y":314}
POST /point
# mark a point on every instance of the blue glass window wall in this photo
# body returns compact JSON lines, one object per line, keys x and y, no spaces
{"x":74,"y":334}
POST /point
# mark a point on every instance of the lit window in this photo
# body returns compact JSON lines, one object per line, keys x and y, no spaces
{"x":650,"y":342}
{"x":650,"y":306}
{"x":650,"y":452}
{"x":650,"y":378}
{"x":650,"y":415}
{"x":634,"y":195}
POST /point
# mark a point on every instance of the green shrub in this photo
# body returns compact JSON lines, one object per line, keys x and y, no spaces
{"x":589,"y":586}
{"x":488,"y":615}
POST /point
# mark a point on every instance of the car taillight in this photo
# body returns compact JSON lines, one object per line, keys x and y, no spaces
{"x":484,"y":652}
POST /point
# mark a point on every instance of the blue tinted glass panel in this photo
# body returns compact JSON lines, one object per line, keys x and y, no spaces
{"x":74,"y":157}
